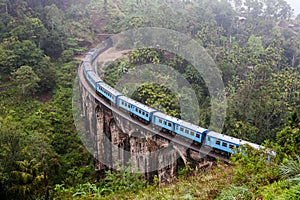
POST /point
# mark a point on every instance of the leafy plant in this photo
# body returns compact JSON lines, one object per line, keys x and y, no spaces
{"x":291,"y":170}
{"x":235,"y":192}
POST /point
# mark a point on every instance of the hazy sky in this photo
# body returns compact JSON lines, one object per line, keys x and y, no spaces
{"x":295,"y":5}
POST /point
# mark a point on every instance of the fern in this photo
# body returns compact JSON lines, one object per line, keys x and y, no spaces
{"x":291,"y":170}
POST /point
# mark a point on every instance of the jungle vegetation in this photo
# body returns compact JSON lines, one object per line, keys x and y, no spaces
{"x":255,"y":44}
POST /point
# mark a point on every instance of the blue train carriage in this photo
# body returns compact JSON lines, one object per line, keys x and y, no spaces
{"x":93,"y":53}
{"x":222,"y":142}
{"x":87,"y":67}
{"x":93,"y":79}
{"x":190,"y":131}
{"x":165,"y":121}
{"x":179,"y":126}
{"x":88,"y":58}
{"x":108,"y":92}
{"x":136,"y":108}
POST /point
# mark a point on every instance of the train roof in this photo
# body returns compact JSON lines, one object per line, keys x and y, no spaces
{"x":255,"y":146}
{"x":224,"y":137}
{"x":180,"y":122}
{"x":112,"y":90}
{"x":240,"y":142}
{"x":138,"y":104}
{"x":87,"y":66}
{"x":233,"y":139}
{"x":94,"y":76}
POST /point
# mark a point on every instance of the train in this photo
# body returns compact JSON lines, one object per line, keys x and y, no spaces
{"x":221,"y":143}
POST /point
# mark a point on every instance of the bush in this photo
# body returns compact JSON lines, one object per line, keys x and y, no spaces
{"x":234,"y":192}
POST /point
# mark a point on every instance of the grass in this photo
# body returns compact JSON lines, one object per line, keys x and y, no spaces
{"x":202,"y":184}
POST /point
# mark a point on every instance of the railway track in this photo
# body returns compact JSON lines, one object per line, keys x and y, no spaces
{"x":177,"y":140}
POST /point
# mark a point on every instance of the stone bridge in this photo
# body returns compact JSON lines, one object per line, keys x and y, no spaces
{"x":115,"y":138}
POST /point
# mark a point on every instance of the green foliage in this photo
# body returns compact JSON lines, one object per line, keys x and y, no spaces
{"x":254,"y":169}
{"x":289,"y":137}
{"x":186,"y":170}
{"x":259,"y":70}
{"x":124,"y":179}
{"x":233,"y":192}
{"x":274,"y":190}
{"x":156,"y":85}
{"x":255,"y":45}
{"x":288,"y":187}
{"x":26,"y":79}
{"x":292,"y":194}
{"x":291,"y":170}
{"x":17,"y":53}
{"x":158,"y":97}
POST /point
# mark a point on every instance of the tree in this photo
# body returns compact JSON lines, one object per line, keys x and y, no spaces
{"x":255,"y":45}
{"x":27,"y":179}
{"x":11,"y":145}
{"x":289,"y":138}
{"x":17,"y":53}
{"x":292,"y":49}
{"x":26,"y":79}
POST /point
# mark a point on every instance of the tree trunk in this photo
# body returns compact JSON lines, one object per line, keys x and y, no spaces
{"x":105,"y":7}
{"x":45,"y":179}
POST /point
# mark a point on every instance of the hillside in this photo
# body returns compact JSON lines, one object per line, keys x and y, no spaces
{"x":254,"y":45}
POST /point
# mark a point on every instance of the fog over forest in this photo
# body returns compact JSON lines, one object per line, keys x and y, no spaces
{"x":295,"y":4}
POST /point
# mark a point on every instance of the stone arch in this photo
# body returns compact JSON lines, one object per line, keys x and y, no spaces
{"x":180,"y":153}
{"x":143,"y":154}
{"x":119,"y":144}
{"x":117,"y":135}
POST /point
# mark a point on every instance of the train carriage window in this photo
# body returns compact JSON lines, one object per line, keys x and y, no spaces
{"x":186,"y":131}
{"x":122,"y":102}
{"x":176,"y":127}
{"x":181,"y":129}
{"x":129,"y":106}
{"x":197,"y":135}
{"x":218,"y":142}
{"x":231,"y":146}
{"x":192,"y":133}
{"x":136,"y":109}
{"x":160,"y":121}
{"x":169,"y":124}
{"x":165,"y":123}
{"x":224,"y":144}
{"x":147,"y":115}
{"x":208,"y":139}
{"x":143,"y":113}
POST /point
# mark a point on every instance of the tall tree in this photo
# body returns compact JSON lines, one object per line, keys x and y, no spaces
{"x":26,"y":79}
{"x":289,"y":137}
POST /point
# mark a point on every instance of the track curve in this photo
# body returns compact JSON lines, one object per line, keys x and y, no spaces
{"x":122,"y":114}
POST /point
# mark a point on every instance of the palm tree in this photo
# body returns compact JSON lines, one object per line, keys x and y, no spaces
{"x":27,"y":180}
